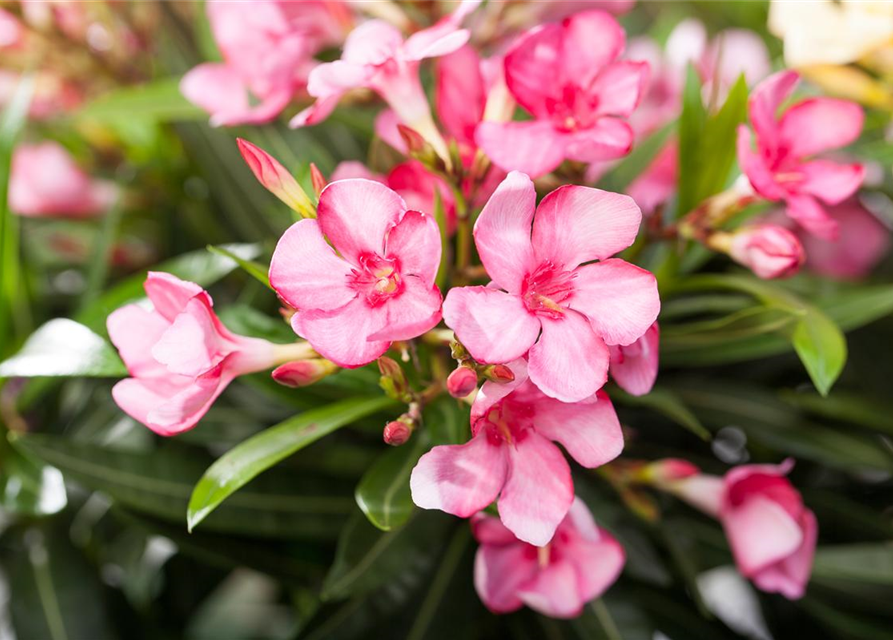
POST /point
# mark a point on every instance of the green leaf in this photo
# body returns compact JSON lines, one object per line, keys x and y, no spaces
{"x":821,"y":347}
{"x":632,"y":166}
{"x":870,"y":563}
{"x":383,"y":493}
{"x":691,"y":131}
{"x":281,"y":504}
{"x":847,"y":408}
{"x":254,"y":269}
{"x":244,"y":462}
{"x":65,"y":348}
{"x":159,"y":100}
{"x":667,"y":403}
{"x":28,"y":487}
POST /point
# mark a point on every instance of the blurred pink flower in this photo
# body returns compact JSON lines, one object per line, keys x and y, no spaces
{"x":543,"y":298}
{"x":634,"y":367}
{"x":180,"y":355}
{"x":46,"y":182}
{"x":769,"y":250}
{"x":771,"y":533}
{"x":567,"y":76}
{"x":11,"y":31}
{"x":268,"y":50}
{"x":657,"y":183}
{"x":511,"y":456}
{"x":863,"y":241}
{"x":779,"y":169}
{"x":580,"y":563}
{"x":51,"y":95}
{"x":379,"y":287}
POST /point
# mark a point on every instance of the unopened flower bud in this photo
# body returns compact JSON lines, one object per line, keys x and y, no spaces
{"x":462,"y":381}
{"x":768,"y":250}
{"x":419,"y":148}
{"x":458,"y":351}
{"x":301,"y":373}
{"x":317,"y":178}
{"x":661,"y":472}
{"x":276,"y":178}
{"x":393,"y":380}
{"x":499,"y":373}
{"x":396,"y":433}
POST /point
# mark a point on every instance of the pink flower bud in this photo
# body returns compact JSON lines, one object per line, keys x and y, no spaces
{"x":317,"y":178}
{"x":270,"y":173}
{"x":669,"y":470}
{"x":462,"y":381}
{"x":396,"y":433}
{"x":768,"y":250}
{"x":499,"y":373}
{"x":301,"y":373}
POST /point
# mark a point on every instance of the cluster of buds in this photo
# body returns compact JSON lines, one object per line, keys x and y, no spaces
{"x":464,"y":378}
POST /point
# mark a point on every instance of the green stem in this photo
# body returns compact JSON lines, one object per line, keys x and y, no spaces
{"x":604,"y":618}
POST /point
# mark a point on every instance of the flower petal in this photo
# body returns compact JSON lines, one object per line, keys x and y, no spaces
{"x":499,"y":573}
{"x":538,"y":489}
{"x":494,"y":326}
{"x":620,"y":87}
{"x":533,"y":69}
{"x":608,"y":139}
{"x":169,"y":294}
{"x":412,"y":313}
{"x":598,"y":564}
{"x":492,"y":392}
{"x":415,"y":243}
{"x":438,"y":40}
{"x":760,"y":532}
{"x":789,"y":576}
{"x":575,"y":224}
{"x":634,"y":367}
{"x":831,"y":182}
{"x":820,"y":124}
{"x":356,"y":215}
{"x":459,"y":479}
{"x":591,"y":41}
{"x":502,"y":232}
{"x":763,"y":106}
{"x":812,"y":216}
{"x":134,"y":331}
{"x":569,"y":362}
{"x":461,"y":95}
{"x":754,"y":167}
{"x":589,"y":431}
{"x":533,"y":147}
{"x":554,"y":591}
{"x":315,"y":113}
{"x":488,"y":530}
{"x":341,"y":335}
{"x":191,"y":345}
{"x":620,"y":299}
{"x":306,"y":272}
{"x":372,"y":43}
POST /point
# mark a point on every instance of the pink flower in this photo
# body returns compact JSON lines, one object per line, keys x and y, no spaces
{"x":180,"y":355}
{"x":52,"y":94}
{"x":379,"y":287}
{"x":377,"y":57}
{"x":580,"y":563}
{"x":770,"y":251}
{"x":511,"y":456}
{"x":771,"y":533}
{"x":634,"y":367}
{"x":268,"y":50}
{"x":568,"y":77}
{"x":12,"y":34}
{"x":45,"y":181}
{"x":543,"y":298}
{"x":779,"y":169}
{"x":863,"y":241}
{"x":657,"y":183}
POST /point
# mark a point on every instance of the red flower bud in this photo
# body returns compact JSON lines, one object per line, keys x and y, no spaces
{"x":462,"y":381}
{"x":301,"y":373}
{"x":499,"y":373}
{"x":396,"y":433}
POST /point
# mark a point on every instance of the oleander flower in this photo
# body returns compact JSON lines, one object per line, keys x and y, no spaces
{"x":548,"y":296}
{"x":46,"y":182}
{"x":568,"y":77}
{"x":580,"y":563}
{"x":634,"y":366}
{"x":769,"y":250}
{"x":511,"y":456}
{"x":181,"y":357}
{"x":781,"y":168}
{"x":377,"y":288}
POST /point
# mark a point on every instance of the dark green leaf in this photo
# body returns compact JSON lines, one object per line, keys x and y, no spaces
{"x":667,"y":403}
{"x":244,"y":462}
{"x":691,"y":131}
{"x":847,"y":408}
{"x":870,"y":563}
{"x":383,"y":493}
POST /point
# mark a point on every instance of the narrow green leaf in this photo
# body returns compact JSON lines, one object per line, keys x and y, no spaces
{"x":718,"y":146}
{"x":443,"y":270}
{"x":254,"y":269}
{"x":869,"y":563}
{"x":257,"y":454}
{"x":691,"y":131}
{"x":383,"y":493}
{"x":669,"y":404}
{"x":847,"y":408}
{"x":64,"y":347}
{"x":159,"y":100}
{"x":821,"y":346}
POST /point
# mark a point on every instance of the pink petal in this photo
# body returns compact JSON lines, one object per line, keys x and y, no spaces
{"x":863,"y":242}
{"x":386,"y":128}
{"x":461,"y":95}
{"x":764,"y":102}
{"x":589,"y":431}
{"x":439,"y":40}
{"x":191,"y":345}
{"x":459,"y":479}
{"x":417,"y":186}
{"x":494,"y":326}
{"x":538,"y":489}
{"x":657,"y":183}
{"x":134,"y":331}
{"x":335,"y":78}
{"x":499,"y":573}
{"x":315,"y":113}
{"x":592,"y":40}
{"x":620,"y":299}
{"x":598,"y":564}
{"x":488,"y":530}
{"x":341,"y":335}
{"x":760,"y":532}
{"x":634,"y":368}
{"x":350,"y":169}
{"x":608,"y":139}
{"x":820,"y":124}
{"x":533,"y":147}
{"x":831,"y":182}
{"x":790,"y":576}
{"x":216,"y":88}
{"x":356,"y":215}
{"x":575,"y":224}
{"x":169,"y":294}
{"x":412,"y":313}
{"x":533,"y":69}
{"x":620,"y":87}
{"x":554,"y":591}
{"x":415,"y":243}
{"x":569,"y":362}
{"x":812,"y":216}
{"x":754,"y":167}
{"x":502,"y":232}
{"x":372,"y":43}
{"x":306,"y":272}
{"x":492,"y":392}
{"x":264,"y":111}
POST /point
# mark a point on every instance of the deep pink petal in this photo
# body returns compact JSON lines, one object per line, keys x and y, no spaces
{"x":864,"y":241}
{"x":589,"y":431}
{"x":591,"y":41}
{"x":555,"y":591}
{"x":134,"y":331}
{"x":306,"y":272}
{"x":499,"y":573}
{"x":831,"y":182}
{"x":461,"y":94}
{"x":538,"y":489}
{"x":191,"y":345}
{"x":341,"y":335}
{"x":607,"y":139}
{"x":575,"y":224}
{"x":533,"y":147}
{"x":634,"y":367}
{"x":820,"y":124}
{"x":569,"y":362}
{"x":415,"y":243}
{"x":459,"y":479}
{"x":533,"y":69}
{"x":620,"y":299}
{"x":754,"y":167}
{"x":494,"y":326}
{"x":763,"y":106}
{"x":412,"y":313}
{"x":620,"y":87}
{"x":502,"y":232}
{"x":488,"y":530}
{"x":356,"y":215}
{"x":760,"y":532}
{"x":812,"y":216}
{"x":790,"y":576}
{"x":492,"y":392}
{"x":169,"y":295}
{"x":417,"y":186}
